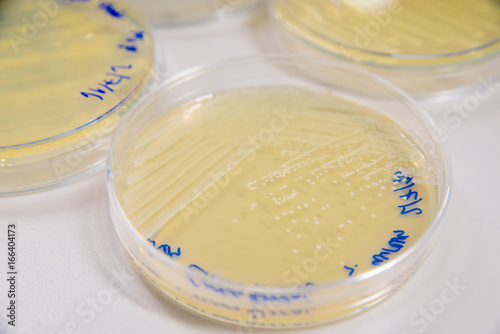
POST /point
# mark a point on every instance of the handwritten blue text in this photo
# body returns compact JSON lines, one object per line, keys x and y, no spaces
{"x":166,"y":249}
{"x":114,"y":79}
{"x":396,"y":244}
{"x":405,"y":183}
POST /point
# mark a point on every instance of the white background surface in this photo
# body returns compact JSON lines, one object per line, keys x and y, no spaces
{"x":68,"y":249}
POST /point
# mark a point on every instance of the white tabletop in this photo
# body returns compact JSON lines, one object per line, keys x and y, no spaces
{"x":68,"y":250}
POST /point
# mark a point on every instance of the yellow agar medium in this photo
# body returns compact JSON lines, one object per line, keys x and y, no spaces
{"x":402,"y":32}
{"x":65,"y":67}
{"x":249,"y":184}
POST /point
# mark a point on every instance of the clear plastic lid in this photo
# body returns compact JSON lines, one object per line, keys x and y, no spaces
{"x":174,"y":12}
{"x":273,"y":192}
{"x":425,"y":32}
{"x":429,"y":48}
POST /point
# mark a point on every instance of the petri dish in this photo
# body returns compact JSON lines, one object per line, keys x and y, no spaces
{"x":443,"y":45}
{"x":255,"y":194}
{"x":171,"y":12}
{"x":70,"y":70}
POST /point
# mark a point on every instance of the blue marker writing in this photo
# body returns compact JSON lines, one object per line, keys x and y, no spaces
{"x":109,"y":7}
{"x":106,"y":86}
{"x":131,"y":41}
{"x":396,"y":243}
{"x":405,"y":183}
{"x":351,"y":270}
{"x":166,"y":249}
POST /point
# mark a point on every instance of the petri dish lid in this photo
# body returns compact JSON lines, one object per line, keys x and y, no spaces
{"x":66,"y":66}
{"x":426,"y":32}
{"x":200,"y":176}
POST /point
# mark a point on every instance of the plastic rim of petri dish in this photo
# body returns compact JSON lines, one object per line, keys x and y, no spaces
{"x":171,"y":12}
{"x":70,"y":70}
{"x":167,"y":264}
{"x":444,"y":46}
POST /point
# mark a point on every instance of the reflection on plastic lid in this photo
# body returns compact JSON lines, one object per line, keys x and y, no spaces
{"x":173,"y":12}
